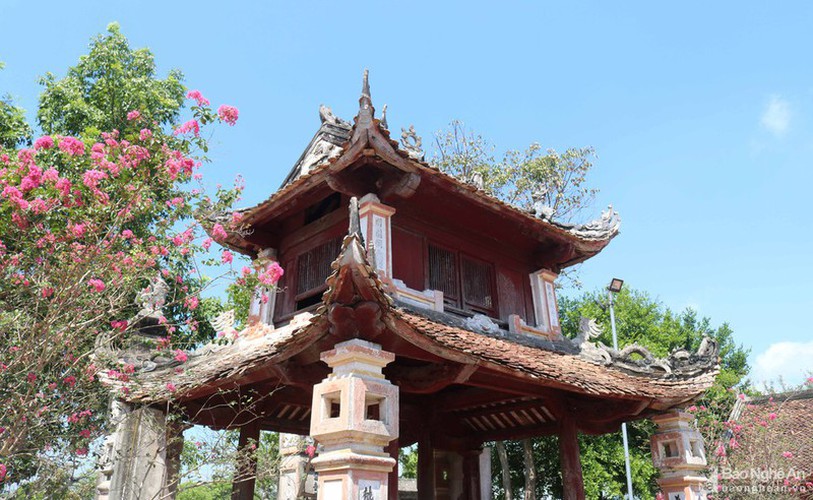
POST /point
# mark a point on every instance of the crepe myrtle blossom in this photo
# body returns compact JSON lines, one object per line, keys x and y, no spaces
{"x":189,"y":126}
{"x":197,"y":96}
{"x":228,"y":114}
{"x":44,"y":142}
{"x":72,"y":146}
{"x":133,"y":115}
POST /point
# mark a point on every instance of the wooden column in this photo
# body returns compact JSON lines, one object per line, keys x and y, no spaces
{"x":572,"y":481}
{"x":392,"y":483}
{"x":246,"y":473}
{"x":471,"y":474}
{"x":426,"y":468}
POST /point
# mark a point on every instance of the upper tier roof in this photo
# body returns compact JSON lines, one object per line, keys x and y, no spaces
{"x":338,"y":145}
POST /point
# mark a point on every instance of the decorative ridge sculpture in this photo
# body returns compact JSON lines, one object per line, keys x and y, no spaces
{"x":679,"y":362}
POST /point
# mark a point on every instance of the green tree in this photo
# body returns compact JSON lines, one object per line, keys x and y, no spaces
{"x":521,"y":178}
{"x":14,"y":130}
{"x":649,"y":323}
{"x":107,"y":83}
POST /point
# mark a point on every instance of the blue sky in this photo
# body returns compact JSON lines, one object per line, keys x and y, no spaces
{"x":700,"y":113}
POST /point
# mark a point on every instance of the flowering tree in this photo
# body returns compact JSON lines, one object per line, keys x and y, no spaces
{"x":752,"y":452}
{"x":85,"y":224}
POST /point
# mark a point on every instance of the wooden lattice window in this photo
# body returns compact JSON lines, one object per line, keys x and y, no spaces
{"x":312,"y":269}
{"x":466,"y":283}
{"x":478,"y":284}
{"x":443,"y":272}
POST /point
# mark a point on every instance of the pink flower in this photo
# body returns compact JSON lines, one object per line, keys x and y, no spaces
{"x":70,"y":381}
{"x":310,"y":450}
{"x":741,"y":396}
{"x":787,"y":454}
{"x":181,"y":356}
{"x":772,"y":416}
{"x":126,"y":234}
{"x":271,"y":275}
{"x":228,"y":114}
{"x":3,"y":472}
{"x":226,"y":257}
{"x":133,"y":115}
{"x":72,"y":146}
{"x":218,"y":233}
{"x":192,"y":302}
{"x":77,"y":230}
{"x":720,"y":451}
{"x":44,"y":142}
{"x":145,"y":134}
{"x":96,"y":284}
{"x":81,"y":451}
{"x":190,"y":126}
{"x":196,"y":95}
{"x":171,"y":387}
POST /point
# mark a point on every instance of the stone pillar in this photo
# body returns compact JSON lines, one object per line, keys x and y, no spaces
{"x":485,"y":474}
{"x":546,"y":309}
{"x":375,"y":218}
{"x":262,"y":310}
{"x":354,"y":416}
{"x":678,"y":452}
{"x":134,"y":465}
{"x":293,"y":467}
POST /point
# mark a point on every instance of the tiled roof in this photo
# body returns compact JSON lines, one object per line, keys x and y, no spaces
{"x":260,"y":347}
{"x":558,"y":369}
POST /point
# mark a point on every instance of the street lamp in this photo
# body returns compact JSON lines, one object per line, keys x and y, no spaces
{"x":613,"y":288}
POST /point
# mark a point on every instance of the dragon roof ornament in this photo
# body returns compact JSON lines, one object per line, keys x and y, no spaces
{"x":638,"y":359}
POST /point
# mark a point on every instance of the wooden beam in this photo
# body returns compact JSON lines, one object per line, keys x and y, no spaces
{"x":246,"y":471}
{"x":572,"y":480}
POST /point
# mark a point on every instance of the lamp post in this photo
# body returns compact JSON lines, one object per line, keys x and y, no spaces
{"x":613,"y":288}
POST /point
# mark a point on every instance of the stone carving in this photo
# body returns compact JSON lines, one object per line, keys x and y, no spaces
{"x":606,"y":225}
{"x":326,"y":116}
{"x":637,"y":358}
{"x":596,"y":352}
{"x":481,"y":323}
{"x":152,"y":298}
{"x":476,"y":180}
{"x":223,"y":323}
{"x":384,"y":117}
{"x":354,"y":227}
{"x":540,"y":209}
{"x":411,"y":142}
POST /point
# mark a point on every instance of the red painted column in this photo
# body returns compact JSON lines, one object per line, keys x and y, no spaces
{"x":426,"y":468}
{"x":471,"y":474}
{"x":392,"y":483}
{"x":243,"y":485}
{"x":572,"y":480}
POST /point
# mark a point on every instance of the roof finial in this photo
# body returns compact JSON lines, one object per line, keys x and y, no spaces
{"x":365,"y":85}
{"x":384,"y":117}
{"x":366,"y":110}
{"x":354,"y":228}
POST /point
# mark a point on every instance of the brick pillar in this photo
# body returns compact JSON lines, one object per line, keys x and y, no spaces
{"x":375,"y":218}
{"x":678,"y":452}
{"x":293,"y":467}
{"x":546,"y":311}
{"x":264,"y":299}
{"x":354,"y":415}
